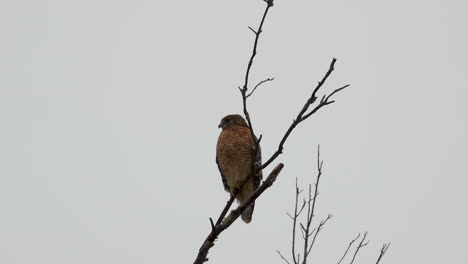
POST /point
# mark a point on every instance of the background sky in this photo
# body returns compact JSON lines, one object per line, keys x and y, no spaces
{"x":109,"y":114}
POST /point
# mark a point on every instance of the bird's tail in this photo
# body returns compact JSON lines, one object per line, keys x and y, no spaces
{"x":247,"y":214}
{"x":243,"y":195}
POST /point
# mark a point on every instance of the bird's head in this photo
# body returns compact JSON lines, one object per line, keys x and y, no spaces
{"x":232,"y":120}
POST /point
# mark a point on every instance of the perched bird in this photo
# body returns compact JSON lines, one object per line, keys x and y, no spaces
{"x":235,"y":152}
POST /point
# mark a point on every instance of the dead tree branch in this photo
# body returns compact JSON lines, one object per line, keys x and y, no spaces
{"x":311,"y":211}
{"x":319,"y":228}
{"x":245,"y":87}
{"x":383,"y":250}
{"x":361,"y":245}
{"x":233,"y":215}
{"x":309,"y":234}
{"x":294,"y":219}
{"x":349,"y":246}
{"x":258,"y":84}
{"x":303,"y":114}
{"x":281,"y":256}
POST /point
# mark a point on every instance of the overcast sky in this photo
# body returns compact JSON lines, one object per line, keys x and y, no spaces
{"x":109,"y":114}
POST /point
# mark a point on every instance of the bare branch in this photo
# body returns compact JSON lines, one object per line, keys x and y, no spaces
{"x":323,"y":102}
{"x":245,"y":88}
{"x":212,"y":224}
{"x":296,"y":214}
{"x":311,"y":209}
{"x":361,"y":245}
{"x":303,"y":115}
{"x":336,"y":91}
{"x":349,"y":246}
{"x":306,"y":231}
{"x":383,"y":251}
{"x":228,"y":205}
{"x":258,"y":84}
{"x":302,"y":208}
{"x":321,"y":225}
{"x":279,"y":253}
{"x":303,"y":232}
{"x":234,"y":214}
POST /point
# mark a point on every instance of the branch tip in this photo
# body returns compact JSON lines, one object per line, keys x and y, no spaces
{"x":212,"y":224}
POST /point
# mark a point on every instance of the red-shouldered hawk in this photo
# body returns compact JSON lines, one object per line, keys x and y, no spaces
{"x":234,"y":156}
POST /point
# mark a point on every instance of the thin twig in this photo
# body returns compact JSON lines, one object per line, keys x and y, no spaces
{"x":293,"y":244}
{"x":303,"y":115}
{"x":383,"y":250}
{"x":323,"y":102}
{"x":321,"y":225}
{"x":349,"y":246}
{"x":228,"y":205}
{"x":361,"y":245}
{"x":311,"y":208}
{"x":253,"y":30}
{"x":279,"y":253}
{"x":212,"y":224}
{"x":296,"y":215}
{"x":245,"y":88}
{"x":258,"y":84}
{"x":254,"y":50}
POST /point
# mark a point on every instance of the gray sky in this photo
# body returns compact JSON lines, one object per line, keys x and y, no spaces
{"x":109,"y":114}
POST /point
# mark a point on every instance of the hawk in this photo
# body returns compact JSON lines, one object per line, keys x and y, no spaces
{"x":235,"y":152}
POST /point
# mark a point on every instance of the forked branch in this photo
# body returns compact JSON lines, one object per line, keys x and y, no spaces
{"x":233,"y":215}
{"x":362,"y":244}
{"x":383,"y":250}
{"x":304,"y":114}
{"x":349,"y":246}
{"x":245,"y":87}
{"x":309,"y":234}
